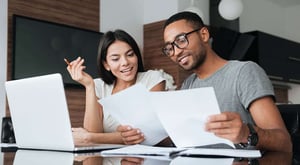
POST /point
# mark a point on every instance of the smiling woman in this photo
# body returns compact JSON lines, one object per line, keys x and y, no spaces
{"x":120,"y":66}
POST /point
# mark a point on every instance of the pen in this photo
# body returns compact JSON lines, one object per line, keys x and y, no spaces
{"x":67,"y":62}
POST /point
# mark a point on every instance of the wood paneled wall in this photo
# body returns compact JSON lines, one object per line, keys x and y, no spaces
{"x":78,"y":13}
{"x":153,"y":56}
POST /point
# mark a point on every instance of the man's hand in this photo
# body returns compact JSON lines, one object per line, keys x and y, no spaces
{"x":228,"y":125}
{"x":130,"y":135}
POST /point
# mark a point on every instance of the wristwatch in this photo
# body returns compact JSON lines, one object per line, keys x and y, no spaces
{"x":252,"y":137}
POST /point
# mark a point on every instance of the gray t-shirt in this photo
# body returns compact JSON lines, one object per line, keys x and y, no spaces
{"x":237,"y":85}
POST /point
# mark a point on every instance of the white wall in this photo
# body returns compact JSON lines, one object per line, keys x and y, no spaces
{"x":3,"y":55}
{"x":277,"y":18}
{"x":120,"y":14}
{"x":3,"y":59}
{"x":153,"y":12}
{"x":203,"y":5}
{"x":131,"y":15}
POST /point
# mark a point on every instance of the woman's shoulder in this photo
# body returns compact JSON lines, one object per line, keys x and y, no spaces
{"x":98,"y":81}
{"x":149,"y":78}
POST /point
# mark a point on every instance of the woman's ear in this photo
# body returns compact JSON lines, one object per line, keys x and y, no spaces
{"x":106,"y":66}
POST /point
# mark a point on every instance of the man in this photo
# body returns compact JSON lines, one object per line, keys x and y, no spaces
{"x":249,"y":116}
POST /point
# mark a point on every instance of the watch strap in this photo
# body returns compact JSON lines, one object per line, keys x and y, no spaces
{"x":253,"y":137}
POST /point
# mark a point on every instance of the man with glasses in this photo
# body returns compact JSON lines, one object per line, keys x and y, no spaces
{"x":249,"y":116}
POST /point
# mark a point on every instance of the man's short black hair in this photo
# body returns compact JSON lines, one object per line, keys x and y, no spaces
{"x":193,"y":18}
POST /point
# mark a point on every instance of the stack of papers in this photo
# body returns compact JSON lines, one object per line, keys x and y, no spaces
{"x":142,"y":150}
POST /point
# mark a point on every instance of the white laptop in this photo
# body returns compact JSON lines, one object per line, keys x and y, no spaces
{"x":40,"y":115}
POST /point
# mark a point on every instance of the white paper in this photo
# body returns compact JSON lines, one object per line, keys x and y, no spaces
{"x":238,"y":153}
{"x":132,"y":107}
{"x":138,"y":149}
{"x":183,"y":114}
{"x":169,"y":152}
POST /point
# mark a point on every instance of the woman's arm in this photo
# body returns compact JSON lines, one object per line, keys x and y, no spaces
{"x":93,"y":117}
{"x":82,"y":136}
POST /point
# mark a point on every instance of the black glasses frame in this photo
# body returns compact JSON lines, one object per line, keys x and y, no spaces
{"x":174,"y":42}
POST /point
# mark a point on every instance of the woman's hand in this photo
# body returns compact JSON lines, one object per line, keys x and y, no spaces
{"x":80,"y":136}
{"x":130,"y":135}
{"x":75,"y":69}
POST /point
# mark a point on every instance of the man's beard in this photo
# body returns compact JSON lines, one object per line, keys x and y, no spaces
{"x":198,"y":60}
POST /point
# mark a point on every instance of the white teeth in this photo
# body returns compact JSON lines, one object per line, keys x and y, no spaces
{"x":126,"y":70}
{"x":182,"y":58}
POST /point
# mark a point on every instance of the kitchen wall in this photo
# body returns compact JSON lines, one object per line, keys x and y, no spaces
{"x":131,"y":15}
{"x":3,"y":54}
{"x":280,"y":18}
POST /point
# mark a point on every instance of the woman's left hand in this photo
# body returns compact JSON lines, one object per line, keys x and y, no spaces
{"x":80,"y":136}
{"x":130,"y":135}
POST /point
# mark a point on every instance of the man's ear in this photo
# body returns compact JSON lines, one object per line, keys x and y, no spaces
{"x":204,"y":34}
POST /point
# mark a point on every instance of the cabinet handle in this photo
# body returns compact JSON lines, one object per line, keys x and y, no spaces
{"x":294,"y":80}
{"x":275,"y":77}
{"x":294,"y":58}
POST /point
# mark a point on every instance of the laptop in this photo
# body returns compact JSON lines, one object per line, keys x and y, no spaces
{"x":40,"y":115}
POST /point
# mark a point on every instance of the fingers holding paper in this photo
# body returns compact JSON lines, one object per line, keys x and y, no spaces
{"x":130,"y":135}
{"x":228,"y":125}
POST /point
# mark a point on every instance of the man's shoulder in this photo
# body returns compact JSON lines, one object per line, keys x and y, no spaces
{"x":237,"y":63}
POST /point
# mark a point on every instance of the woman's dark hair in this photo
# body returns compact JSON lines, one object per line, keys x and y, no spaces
{"x":193,"y":18}
{"x":106,"y":40}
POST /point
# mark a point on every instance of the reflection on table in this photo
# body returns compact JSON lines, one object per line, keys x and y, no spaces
{"x":34,"y":157}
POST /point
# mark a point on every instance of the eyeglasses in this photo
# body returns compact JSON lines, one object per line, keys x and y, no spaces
{"x":181,"y":42}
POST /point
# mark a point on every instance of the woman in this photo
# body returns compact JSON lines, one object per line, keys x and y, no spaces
{"x":120,"y":66}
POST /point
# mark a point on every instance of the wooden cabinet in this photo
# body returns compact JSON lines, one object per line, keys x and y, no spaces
{"x":153,"y":56}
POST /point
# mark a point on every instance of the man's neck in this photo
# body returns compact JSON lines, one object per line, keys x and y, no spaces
{"x":210,"y":66}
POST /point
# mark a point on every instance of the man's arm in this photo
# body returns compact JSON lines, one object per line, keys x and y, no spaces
{"x":270,"y":127}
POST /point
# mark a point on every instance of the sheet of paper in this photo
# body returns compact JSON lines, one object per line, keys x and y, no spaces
{"x":141,"y":150}
{"x":131,"y":107}
{"x":172,"y":152}
{"x":183,"y":114}
{"x":239,"y":153}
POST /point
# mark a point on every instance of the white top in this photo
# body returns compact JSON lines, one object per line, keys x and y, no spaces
{"x":149,"y":79}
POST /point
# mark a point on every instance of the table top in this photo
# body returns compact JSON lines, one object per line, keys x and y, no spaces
{"x":36,"y":157}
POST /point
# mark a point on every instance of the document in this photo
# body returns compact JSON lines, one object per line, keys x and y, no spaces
{"x":138,"y":149}
{"x":132,"y":107}
{"x":172,"y":152}
{"x":183,"y":114}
